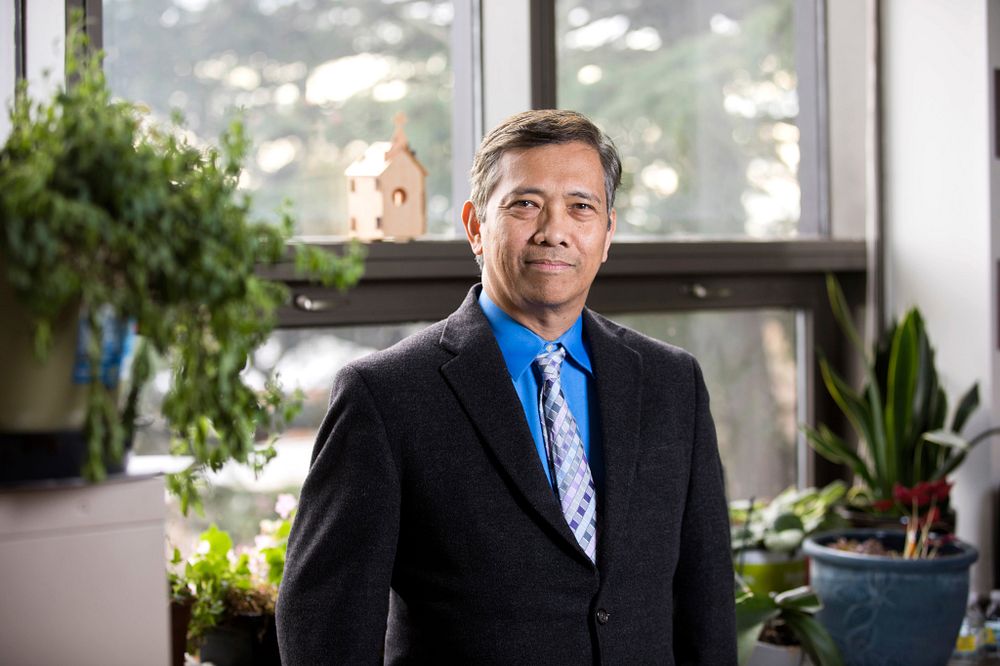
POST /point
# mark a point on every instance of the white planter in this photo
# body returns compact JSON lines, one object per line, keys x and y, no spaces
{"x":766,"y":654}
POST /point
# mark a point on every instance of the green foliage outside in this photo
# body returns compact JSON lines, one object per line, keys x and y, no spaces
{"x":704,"y":92}
{"x":103,"y":210}
{"x":292,"y":67}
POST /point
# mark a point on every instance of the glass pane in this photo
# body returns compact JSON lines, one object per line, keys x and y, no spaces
{"x":305,"y":359}
{"x":701,"y":99}
{"x":748,"y":359}
{"x":318,"y":80}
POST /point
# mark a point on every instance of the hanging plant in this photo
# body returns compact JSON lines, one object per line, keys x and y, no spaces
{"x":107,"y":214}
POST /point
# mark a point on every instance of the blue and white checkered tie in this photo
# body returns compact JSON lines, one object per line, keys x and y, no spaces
{"x":569,"y":461}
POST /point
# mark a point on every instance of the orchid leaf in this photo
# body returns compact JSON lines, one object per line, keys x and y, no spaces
{"x":966,"y":405}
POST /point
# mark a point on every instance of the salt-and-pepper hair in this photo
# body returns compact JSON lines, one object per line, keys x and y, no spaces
{"x":531,"y":129}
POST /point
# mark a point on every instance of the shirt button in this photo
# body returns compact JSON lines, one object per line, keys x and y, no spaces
{"x":550,"y":347}
{"x":603,"y":616}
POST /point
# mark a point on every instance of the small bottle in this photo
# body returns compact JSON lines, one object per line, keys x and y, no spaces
{"x":992,"y":624}
{"x":970,"y":636}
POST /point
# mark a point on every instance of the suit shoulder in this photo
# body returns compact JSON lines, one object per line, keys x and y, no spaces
{"x":406,"y":356}
{"x":650,"y":349}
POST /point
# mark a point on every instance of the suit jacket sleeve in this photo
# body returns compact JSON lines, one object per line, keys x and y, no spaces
{"x":704,"y":601}
{"x":333,"y":602}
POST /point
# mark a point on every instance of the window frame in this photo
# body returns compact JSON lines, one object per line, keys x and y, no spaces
{"x":427,"y":279}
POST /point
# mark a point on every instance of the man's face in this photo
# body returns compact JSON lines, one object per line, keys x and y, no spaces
{"x":545,"y":231}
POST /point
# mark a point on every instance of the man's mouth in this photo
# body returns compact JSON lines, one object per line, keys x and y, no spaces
{"x":549,"y":263}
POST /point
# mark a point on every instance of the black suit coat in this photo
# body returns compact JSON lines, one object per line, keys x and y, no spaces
{"x":427,"y":527}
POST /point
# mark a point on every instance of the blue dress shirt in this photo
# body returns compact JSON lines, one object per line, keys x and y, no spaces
{"x":519,"y":346}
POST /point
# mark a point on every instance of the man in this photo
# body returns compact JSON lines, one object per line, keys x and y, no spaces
{"x":525,"y":482}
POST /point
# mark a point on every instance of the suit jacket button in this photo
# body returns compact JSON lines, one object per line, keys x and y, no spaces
{"x":603,"y":616}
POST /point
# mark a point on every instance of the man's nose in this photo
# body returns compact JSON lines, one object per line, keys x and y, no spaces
{"x":553,"y":226}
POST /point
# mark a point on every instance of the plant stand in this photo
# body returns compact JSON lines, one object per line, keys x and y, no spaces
{"x":83,"y":573}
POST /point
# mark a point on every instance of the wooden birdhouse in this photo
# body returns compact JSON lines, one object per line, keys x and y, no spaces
{"x":385,"y":191}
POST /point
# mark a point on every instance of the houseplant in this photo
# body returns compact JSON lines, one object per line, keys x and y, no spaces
{"x":767,"y":536}
{"x":109,"y":218}
{"x":232,"y":591}
{"x":788,"y":616}
{"x":885,"y":608}
{"x":899,"y":415}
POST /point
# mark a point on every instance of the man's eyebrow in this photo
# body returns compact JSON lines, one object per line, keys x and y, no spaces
{"x":584,"y":195}
{"x":520,"y":191}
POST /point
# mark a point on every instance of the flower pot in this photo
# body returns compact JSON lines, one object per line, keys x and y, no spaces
{"x":245,"y":640}
{"x":180,"y":618}
{"x":766,"y":571}
{"x":43,"y":404}
{"x":881,"y":610}
{"x":766,"y":654}
{"x":38,"y":396}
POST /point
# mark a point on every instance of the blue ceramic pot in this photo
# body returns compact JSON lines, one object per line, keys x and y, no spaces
{"x":883,"y":611}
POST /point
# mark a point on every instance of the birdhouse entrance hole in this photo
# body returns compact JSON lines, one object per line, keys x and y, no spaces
{"x":399,"y":196}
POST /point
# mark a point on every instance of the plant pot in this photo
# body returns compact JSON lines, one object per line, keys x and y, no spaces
{"x":38,"y":396}
{"x":766,"y":654}
{"x":245,"y":640}
{"x":766,"y":571}
{"x":180,"y":618}
{"x":881,"y":610}
{"x":43,"y":404}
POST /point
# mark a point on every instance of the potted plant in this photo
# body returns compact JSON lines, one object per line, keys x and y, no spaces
{"x":899,"y":415}
{"x":781,"y":629}
{"x":233,"y":591}
{"x":767,"y":536}
{"x":891,"y":596}
{"x":110,"y":223}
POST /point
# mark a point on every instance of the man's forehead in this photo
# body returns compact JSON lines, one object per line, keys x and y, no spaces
{"x":511,"y":168}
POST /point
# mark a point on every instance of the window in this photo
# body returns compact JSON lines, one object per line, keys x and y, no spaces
{"x":702,"y":99}
{"x":317,"y":81}
{"x":718,"y":107}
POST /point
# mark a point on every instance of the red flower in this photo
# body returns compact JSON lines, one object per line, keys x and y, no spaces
{"x":922,"y":493}
{"x":940,"y":489}
{"x":902,"y":494}
{"x":883,"y":505}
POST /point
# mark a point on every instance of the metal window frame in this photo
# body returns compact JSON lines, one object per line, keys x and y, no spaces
{"x":20,"y":44}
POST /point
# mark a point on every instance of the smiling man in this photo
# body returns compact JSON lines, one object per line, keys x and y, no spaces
{"x":524,"y":482}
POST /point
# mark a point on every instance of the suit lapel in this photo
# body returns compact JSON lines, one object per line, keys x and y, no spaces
{"x":481,"y":383}
{"x":617,"y":374}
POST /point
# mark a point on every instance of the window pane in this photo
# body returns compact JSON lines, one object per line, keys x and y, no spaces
{"x":748,"y":359}
{"x":319,"y":81}
{"x":305,"y":359}
{"x":701,"y":98}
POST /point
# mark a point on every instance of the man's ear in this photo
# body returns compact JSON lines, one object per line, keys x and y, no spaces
{"x":471,"y":223}
{"x":612,"y":226}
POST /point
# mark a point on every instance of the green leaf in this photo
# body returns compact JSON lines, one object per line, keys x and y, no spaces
{"x":901,"y":385}
{"x":967,"y":404}
{"x":752,"y":612}
{"x":947,"y":439}
{"x":815,"y":639}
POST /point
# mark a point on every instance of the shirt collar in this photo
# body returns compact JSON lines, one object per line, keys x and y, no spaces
{"x":520,"y":345}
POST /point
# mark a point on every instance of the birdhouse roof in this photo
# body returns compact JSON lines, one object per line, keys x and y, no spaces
{"x":373,"y":162}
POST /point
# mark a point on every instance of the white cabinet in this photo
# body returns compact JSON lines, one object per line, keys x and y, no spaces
{"x":82,"y":574}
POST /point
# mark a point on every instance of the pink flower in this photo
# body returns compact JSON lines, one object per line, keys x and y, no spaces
{"x":285,"y":505}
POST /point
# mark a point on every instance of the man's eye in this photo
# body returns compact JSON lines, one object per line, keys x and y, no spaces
{"x":583,"y":206}
{"x":524,"y":203}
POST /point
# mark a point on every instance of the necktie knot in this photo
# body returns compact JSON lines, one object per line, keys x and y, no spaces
{"x":550,"y":360}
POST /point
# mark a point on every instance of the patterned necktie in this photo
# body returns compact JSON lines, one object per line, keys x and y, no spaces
{"x":572,"y":473}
